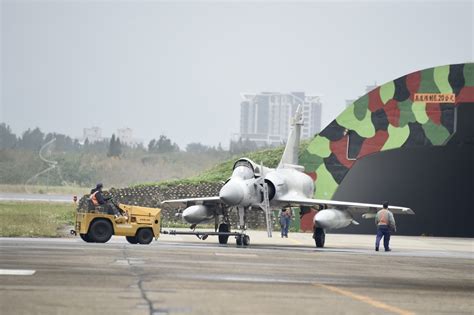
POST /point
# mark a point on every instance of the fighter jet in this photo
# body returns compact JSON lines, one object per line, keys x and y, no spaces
{"x":254,"y":187}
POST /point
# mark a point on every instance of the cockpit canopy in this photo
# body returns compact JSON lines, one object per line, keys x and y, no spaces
{"x":244,"y":168}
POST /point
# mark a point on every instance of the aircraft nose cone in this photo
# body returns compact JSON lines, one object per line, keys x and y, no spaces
{"x":232,"y":193}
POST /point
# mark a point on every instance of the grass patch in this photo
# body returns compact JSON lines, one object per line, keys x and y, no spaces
{"x":40,"y":189}
{"x":35,"y":219}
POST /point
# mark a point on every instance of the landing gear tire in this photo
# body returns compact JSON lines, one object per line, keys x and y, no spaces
{"x":246,"y":240}
{"x":144,"y":236}
{"x":100,"y":231}
{"x":239,"y":240}
{"x":242,"y":240}
{"x":132,"y":239}
{"x":319,"y":237}
{"x":85,"y":238}
{"x":223,"y":227}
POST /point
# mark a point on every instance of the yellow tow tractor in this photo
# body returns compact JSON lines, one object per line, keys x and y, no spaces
{"x":139,"y":225}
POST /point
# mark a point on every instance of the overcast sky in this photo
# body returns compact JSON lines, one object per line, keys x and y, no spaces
{"x":178,"y":68}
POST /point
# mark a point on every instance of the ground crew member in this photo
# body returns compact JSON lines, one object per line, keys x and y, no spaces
{"x":385,"y":223}
{"x":285,"y":219}
{"x":98,"y":199}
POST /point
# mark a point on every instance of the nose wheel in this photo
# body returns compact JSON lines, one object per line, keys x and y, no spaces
{"x":242,"y":240}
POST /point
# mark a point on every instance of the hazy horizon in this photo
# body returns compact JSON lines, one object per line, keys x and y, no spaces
{"x":178,"y":68}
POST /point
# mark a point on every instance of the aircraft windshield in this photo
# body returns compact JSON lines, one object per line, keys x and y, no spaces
{"x":243,"y":169}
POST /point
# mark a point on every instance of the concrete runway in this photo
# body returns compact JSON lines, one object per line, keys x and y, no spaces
{"x":35,"y":197}
{"x":183,"y":275}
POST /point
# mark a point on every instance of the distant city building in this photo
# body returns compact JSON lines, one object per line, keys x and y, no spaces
{"x":368,"y":88}
{"x":93,"y":134}
{"x":349,"y":102}
{"x":265,"y":117}
{"x":126,"y":137}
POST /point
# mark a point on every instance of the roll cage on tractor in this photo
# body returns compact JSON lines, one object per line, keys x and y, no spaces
{"x":95,"y":225}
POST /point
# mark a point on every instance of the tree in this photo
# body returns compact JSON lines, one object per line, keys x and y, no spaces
{"x":118,"y":147}
{"x":197,"y":147}
{"x":162,"y":145}
{"x":237,"y":147}
{"x":63,"y":143}
{"x":151,"y":145}
{"x":8,"y":139}
{"x":32,"y":139}
{"x":115,"y":148}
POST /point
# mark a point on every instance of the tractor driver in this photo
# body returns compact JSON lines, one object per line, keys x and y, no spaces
{"x":98,"y":199}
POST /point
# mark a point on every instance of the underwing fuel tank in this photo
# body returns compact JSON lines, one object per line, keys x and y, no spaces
{"x":332,"y":219}
{"x":197,"y":214}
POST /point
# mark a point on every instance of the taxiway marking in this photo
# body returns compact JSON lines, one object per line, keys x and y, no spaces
{"x":365,"y":299}
{"x":235,"y":255}
{"x":295,"y":241}
{"x":16,"y":272}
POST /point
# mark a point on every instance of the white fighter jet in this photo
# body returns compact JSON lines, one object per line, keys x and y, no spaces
{"x":254,"y":187}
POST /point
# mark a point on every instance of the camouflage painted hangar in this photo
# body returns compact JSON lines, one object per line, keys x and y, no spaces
{"x":409,"y":141}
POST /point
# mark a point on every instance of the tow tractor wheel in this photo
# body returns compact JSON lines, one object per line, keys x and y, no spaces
{"x":100,"y":231}
{"x":223,"y":227}
{"x":85,"y":238}
{"x":144,"y":236}
{"x":132,"y":239}
{"x":319,"y":237}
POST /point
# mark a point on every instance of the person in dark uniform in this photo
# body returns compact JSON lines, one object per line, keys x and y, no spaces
{"x":285,"y":220}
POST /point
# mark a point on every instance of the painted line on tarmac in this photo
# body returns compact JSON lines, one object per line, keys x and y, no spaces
{"x":295,"y":241}
{"x":16,"y":272}
{"x":365,"y":299}
{"x":235,"y":255}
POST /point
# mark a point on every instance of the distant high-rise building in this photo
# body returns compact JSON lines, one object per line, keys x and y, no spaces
{"x":126,"y":137}
{"x":93,"y":134}
{"x":368,"y":88}
{"x":349,"y":102}
{"x":265,"y":117}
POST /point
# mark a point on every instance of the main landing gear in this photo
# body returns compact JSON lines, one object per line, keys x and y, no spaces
{"x":224,"y":227}
{"x":241,"y":239}
{"x":319,"y":236}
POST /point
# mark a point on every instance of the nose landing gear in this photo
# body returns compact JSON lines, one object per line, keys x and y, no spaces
{"x":242,"y":240}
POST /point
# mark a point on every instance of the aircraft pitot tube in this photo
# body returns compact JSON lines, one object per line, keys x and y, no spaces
{"x":333,"y":219}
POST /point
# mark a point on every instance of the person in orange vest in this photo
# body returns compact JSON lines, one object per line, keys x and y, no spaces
{"x":98,"y":199}
{"x":385,"y":223}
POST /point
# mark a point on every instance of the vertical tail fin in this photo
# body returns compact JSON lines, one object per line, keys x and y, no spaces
{"x":290,"y":155}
